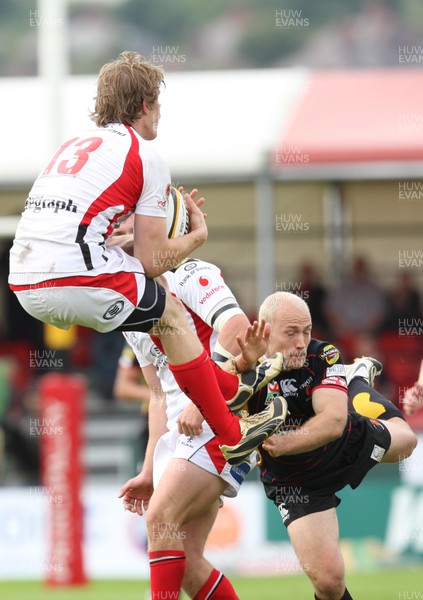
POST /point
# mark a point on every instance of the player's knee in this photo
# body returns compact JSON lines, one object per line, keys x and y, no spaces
{"x":330,"y":588}
{"x":329,"y":583}
{"x":173,"y":318}
{"x":409,"y":443}
{"x":161,"y":524}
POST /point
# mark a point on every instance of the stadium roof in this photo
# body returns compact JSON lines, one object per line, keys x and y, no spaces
{"x":366,"y":118}
{"x":231,"y":124}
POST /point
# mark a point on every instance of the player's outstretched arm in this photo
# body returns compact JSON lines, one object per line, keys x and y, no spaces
{"x":136,"y":492}
{"x":252,"y":345}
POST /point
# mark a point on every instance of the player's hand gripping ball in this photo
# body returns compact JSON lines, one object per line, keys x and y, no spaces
{"x":177,"y":214}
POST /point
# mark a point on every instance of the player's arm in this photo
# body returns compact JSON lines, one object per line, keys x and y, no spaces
{"x":137,"y":492}
{"x":156,"y":416}
{"x":156,"y":252}
{"x":331,"y":410}
{"x":128,"y":387}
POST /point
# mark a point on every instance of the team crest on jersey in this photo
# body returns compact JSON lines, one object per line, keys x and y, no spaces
{"x":330,"y":354}
{"x":273,"y":390}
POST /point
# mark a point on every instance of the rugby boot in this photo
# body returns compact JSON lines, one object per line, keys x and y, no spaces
{"x":255,"y":429}
{"x":255,"y":379}
{"x":366,"y":367}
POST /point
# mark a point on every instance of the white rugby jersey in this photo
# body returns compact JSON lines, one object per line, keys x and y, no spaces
{"x":205,"y":295}
{"x":89,"y":183}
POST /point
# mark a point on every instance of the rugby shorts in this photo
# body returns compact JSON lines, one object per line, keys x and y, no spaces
{"x":201,"y":450}
{"x":370,"y":440}
{"x":119,"y":297}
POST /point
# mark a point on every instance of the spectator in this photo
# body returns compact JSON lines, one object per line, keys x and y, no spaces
{"x":358,"y":305}
{"x":404,"y":302}
{"x":314,"y":294}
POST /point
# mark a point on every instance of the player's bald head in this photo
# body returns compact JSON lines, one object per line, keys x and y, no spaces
{"x":283,"y":304}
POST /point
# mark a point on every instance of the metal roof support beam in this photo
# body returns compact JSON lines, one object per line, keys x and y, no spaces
{"x":265,"y":237}
{"x":337,"y":231}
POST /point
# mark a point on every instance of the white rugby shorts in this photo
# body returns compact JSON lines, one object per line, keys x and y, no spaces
{"x":101,"y":300}
{"x":202,"y":450}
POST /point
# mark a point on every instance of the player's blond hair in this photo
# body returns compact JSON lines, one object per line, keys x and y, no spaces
{"x":122,"y":86}
{"x":286,"y":299}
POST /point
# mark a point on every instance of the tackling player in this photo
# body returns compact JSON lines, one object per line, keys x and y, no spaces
{"x":322,"y":447}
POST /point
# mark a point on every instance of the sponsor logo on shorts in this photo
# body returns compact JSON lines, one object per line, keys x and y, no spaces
{"x":188,"y":441}
{"x":330,"y":354}
{"x":284,"y":512}
{"x":240,"y":472}
{"x":114,"y":310}
{"x":377,"y":453}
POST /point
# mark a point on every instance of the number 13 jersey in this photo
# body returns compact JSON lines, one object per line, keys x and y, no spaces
{"x":89,"y":183}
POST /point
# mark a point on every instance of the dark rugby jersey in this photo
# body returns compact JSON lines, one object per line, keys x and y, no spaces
{"x":323,"y":368}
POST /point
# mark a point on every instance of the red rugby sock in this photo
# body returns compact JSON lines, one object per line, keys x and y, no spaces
{"x":167,"y":569}
{"x":197,"y":380}
{"x":228,"y":382}
{"x":217,"y":587}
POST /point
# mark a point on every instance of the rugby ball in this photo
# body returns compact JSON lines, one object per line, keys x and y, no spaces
{"x":177,"y":214}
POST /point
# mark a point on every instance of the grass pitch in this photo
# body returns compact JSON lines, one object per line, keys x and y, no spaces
{"x":382,"y":585}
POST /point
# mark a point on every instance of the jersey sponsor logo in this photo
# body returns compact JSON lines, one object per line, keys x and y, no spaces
{"x":185,"y":279}
{"x":38,"y":204}
{"x":336,"y":370}
{"x":330,"y":354}
{"x":203,"y":281}
{"x":306,"y":383}
{"x":338,"y":381}
{"x":210,"y":293}
{"x":377,"y":453}
{"x":190,"y":265}
{"x":288,"y":388}
{"x":114,"y":310}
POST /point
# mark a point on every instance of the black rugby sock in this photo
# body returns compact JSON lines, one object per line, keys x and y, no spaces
{"x":346,"y":596}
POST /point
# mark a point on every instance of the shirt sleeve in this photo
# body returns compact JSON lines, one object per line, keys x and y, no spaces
{"x":137,"y":343}
{"x":156,"y":186}
{"x":201,"y":288}
{"x":329,"y":369}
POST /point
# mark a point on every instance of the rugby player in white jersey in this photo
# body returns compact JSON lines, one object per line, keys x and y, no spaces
{"x":187,"y":472}
{"x":63,"y":273}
